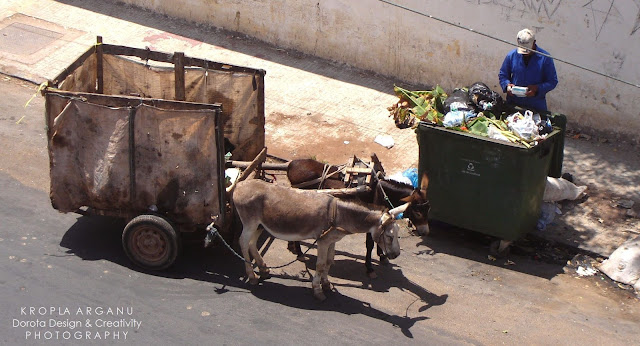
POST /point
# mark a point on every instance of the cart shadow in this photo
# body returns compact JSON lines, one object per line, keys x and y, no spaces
{"x":99,"y":238}
{"x":96,"y":238}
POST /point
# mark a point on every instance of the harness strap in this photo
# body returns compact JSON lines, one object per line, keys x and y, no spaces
{"x":333,"y":214}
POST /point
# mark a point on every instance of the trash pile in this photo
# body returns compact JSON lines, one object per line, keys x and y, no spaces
{"x":476,"y":109}
{"x":556,"y":190}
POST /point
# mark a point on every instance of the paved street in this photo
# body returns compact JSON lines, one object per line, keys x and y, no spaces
{"x":443,"y":289}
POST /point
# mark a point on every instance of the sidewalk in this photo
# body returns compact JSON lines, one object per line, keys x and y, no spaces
{"x":314,"y":108}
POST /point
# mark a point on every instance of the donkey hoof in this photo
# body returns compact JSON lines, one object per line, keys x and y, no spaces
{"x":384,"y":260}
{"x":254,"y":281}
{"x":326,"y":286}
{"x":264,"y":273}
{"x":372,"y":275}
{"x":264,"y":276}
{"x":319,"y":296}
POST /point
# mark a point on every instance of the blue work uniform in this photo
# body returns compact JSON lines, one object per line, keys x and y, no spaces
{"x":539,"y":71}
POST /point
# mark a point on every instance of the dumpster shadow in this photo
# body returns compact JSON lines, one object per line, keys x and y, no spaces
{"x":99,"y":238}
{"x":530,"y":255}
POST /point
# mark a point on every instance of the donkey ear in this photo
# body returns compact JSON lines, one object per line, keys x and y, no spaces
{"x":424,"y":182}
{"x":386,"y":218}
{"x":396,"y":211}
{"x":413,"y":197}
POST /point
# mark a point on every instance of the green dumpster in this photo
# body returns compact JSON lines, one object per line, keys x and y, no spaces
{"x":485,"y":185}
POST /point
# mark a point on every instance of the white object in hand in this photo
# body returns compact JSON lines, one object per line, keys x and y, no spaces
{"x":519,"y":91}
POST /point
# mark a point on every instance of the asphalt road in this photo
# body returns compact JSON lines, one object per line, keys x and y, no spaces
{"x":65,"y":279}
{"x":69,"y":264}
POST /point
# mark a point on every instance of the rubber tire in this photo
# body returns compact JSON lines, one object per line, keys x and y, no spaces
{"x":151,"y":242}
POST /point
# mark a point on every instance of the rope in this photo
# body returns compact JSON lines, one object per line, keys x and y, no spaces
{"x":38,"y":90}
{"x":212,"y":231}
{"x":325,"y":171}
{"x":378,"y":185}
{"x":507,"y":42}
{"x":339,"y":169}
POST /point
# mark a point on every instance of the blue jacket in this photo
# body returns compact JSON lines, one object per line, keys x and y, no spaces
{"x":540,"y":71}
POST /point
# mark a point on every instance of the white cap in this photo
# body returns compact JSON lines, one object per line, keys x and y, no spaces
{"x":525,"y":41}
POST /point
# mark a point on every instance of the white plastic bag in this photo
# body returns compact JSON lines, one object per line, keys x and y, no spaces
{"x":496,"y":134}
{"x":385,"y":140}
{"x":399,"y":177}
{"x":558,"y":189}
{"x":523,"y":125}
{"x":624,"y":264}
{"x":454,"y":118}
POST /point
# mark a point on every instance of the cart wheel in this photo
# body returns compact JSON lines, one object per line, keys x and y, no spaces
{"x":500,"y":248}
{"x":150,"y":242}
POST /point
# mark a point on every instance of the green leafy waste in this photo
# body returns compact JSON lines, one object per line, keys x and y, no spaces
{"x":416,"y":106}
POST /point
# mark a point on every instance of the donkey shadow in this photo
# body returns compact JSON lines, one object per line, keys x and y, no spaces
{"x":389,"y":275}
{"x":99,"y":238}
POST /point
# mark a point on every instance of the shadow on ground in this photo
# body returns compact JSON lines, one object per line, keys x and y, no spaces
{"x":531,"y":255}
{"x":237,"y":42}
{"x":95,"y":238}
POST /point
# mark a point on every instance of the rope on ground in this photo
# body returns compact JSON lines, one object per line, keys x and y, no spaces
{"x":507,"y":42}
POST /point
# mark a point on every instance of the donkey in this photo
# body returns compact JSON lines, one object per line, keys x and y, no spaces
{"x":388,"y":193}
{"x":294,"y":215}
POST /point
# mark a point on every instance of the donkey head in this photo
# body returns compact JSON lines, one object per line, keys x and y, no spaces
{"x":386,"y":234}
{"x":418,"y":209}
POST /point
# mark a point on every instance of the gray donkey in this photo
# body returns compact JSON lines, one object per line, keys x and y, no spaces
{"x":294,"y":215}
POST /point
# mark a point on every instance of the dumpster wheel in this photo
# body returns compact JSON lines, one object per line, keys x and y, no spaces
{"x":500,"y":248}
{"x":151,"y":242}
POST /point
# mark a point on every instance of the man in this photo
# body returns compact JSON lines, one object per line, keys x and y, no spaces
{"x":525,"y":68}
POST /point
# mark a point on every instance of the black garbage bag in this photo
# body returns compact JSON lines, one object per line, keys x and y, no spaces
{"x":484,"y":99}
{"x":458,"y":100}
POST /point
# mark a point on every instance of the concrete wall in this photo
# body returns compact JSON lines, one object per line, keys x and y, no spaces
{"x":602,"y":35}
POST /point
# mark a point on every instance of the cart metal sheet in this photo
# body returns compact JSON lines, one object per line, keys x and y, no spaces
{"x":134,"y":158}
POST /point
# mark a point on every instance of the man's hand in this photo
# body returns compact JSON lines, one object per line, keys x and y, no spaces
{"x":509,"y":86}
{"x":532,"y":90}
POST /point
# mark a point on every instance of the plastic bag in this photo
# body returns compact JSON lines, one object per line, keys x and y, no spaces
{"x":412,"y":175}
{"x":458,"y":100}
{"x":623,"y":265}
{"x":455,"y":118}
{"x":495,"y":133}
{"x":548,"y":212}
{"x":558,"y":189}
{"x":399,"y":177}
{"x":523,"y":125}
{"x":385,"y":140}
{"x":485,"y":99}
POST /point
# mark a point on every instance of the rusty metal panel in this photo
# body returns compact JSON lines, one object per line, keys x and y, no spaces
{"x":134,"y":159}
{"x":239,"y":90}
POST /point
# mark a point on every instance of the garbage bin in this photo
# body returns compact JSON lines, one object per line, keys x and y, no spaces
{"x":484,"y":185}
